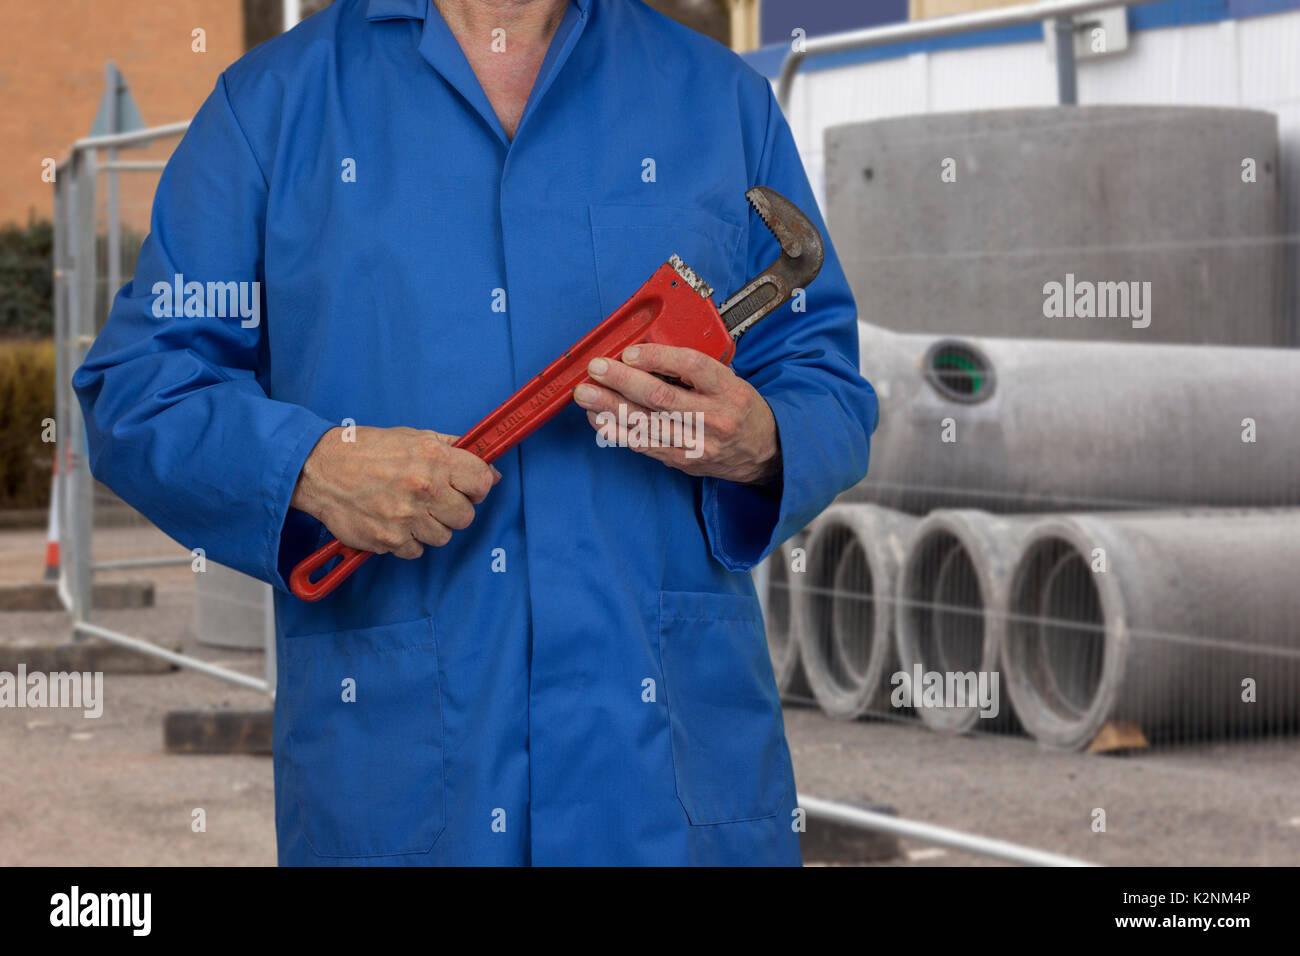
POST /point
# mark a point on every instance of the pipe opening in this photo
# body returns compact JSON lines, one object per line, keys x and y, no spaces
{"x":1056,"y":631}
{"x":945,"y":607}
{"x":778,"y":605}
{"x":853,"y":615}
{"x":827,"y":621}
{"x":959,"y":371}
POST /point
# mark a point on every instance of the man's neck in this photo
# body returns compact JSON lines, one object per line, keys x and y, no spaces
{"x":505,"y":42}
{"x":527,"y":22}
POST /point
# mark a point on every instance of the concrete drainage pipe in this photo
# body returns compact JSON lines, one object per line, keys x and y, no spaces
{"x":845,"y":609}
{"x":951,"y":590}
{"x":1016,"y":425}
{"x":1168,"y":620}
{"x":776,"y":589}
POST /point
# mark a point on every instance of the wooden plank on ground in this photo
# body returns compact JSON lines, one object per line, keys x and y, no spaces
{"x":218,"y":732}
{"x":106,"y":596}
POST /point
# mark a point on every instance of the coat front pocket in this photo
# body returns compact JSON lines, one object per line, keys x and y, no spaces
{"x":363,"y":713}
{"x":632,"y":241}
{"x":729,"y":749}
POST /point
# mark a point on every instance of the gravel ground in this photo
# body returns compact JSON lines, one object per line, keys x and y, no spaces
{"x":101,"y":792}
{"x":1211,"y":804}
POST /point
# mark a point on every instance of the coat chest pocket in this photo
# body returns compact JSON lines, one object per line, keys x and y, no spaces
{"x":363,"y":713}
{"x":729,"y":750}
{"x":632,"y":241}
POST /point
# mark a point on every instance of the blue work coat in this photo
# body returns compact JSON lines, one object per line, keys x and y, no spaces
{"x":581,"y":676}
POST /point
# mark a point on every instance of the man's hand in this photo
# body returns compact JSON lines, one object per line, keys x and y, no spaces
{"x":392,"y":490}
{"x":738,"y":439}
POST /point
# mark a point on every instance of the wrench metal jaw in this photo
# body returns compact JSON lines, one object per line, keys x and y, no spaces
{"x":690,"y":277}
{"x":801,"y":257}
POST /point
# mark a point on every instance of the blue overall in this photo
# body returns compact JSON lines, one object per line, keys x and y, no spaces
{"x":581,"y":676}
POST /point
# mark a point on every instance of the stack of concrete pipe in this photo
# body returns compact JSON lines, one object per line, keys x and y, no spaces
{"x":776,"y":580}
{"x":1040,"y":425}
{"x":953,"y":222}
{"x":844,"y":609}
{"x":955,"y":568}
{"x":1102,"y":524}
{"x":1148,"y":576}
{"x":1182,"y":624}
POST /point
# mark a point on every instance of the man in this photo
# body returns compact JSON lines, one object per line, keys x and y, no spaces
{"x":557,"y":662}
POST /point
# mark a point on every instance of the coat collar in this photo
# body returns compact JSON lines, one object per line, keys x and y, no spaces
{"x":396,"y":9}
{"x":418,"y":9}
{"x":440,"y":49}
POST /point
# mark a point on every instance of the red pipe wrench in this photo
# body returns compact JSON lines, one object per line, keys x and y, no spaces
{"x":674,"y":307}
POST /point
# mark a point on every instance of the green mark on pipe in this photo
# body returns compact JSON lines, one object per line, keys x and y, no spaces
{"x":951,"y":360}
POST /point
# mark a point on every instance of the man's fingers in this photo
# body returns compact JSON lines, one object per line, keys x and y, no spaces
{"x":410,"y":549}
{"x":452,"y":508}
{"x":640,"y":376}
{"x":429,"y":530}
{"x":385,"y":539}
{"x":677,"y":440}
{"x":638,"y":429}
{"x":604,"y":406}
{"x":638,"y":386}
{"x":596,"y":398}
{"x":451,"y":440}
{"x":471,"y":475}
{"x":668,"y":450}
{"x":699,"y":371}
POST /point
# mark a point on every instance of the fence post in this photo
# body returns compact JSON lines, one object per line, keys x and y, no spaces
{"x":65,"y":244}
{"x":61,"y":371}
{"x":269,"y":640}
{"x":81,"y":332}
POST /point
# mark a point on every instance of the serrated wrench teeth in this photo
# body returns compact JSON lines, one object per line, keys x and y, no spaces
{"x":690,"y":277}
{"x":802,"y":252}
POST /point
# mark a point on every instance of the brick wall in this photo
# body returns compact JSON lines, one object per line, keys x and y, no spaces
{"x":52,"y":55}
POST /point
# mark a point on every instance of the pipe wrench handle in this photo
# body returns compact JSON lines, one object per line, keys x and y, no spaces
{"x":665,"y":310}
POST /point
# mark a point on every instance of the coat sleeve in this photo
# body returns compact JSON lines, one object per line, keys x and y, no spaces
{"x":805,"y":364}
{"x":178,"y":420}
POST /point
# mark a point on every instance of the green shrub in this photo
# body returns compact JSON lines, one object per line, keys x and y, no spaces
{"x":27,"y":280}
{"x":26,"y":400}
